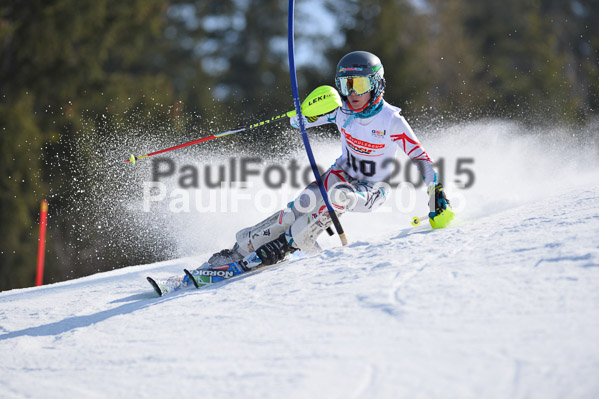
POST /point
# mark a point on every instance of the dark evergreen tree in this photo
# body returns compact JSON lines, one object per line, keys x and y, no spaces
{"x":396,"y":32}
{"x":520,"y":60}
{"x":60,"y":61}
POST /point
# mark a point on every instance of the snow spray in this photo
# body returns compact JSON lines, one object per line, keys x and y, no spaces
{"x":508,"y":164}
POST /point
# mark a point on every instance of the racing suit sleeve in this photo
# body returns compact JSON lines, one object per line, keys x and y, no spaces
{"x":403,"y":135}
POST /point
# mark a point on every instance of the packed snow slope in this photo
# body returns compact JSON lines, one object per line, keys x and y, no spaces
{"x":502,"y":304}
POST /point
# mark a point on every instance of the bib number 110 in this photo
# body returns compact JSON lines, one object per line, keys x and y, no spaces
{"x":366,"y":168}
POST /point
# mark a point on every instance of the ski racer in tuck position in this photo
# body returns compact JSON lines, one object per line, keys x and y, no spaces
{"x":371,"y":131}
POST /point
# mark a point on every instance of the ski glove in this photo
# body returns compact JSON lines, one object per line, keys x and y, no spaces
{"x":442,"y":214}
{"x":294,"y":121}
{"x":441,"y":201}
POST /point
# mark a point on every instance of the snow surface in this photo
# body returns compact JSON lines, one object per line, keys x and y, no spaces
{"x":502,"y":304}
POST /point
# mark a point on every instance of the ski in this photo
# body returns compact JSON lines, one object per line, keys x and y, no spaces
{"x":171,"y":284}
{"x":204,"y":276}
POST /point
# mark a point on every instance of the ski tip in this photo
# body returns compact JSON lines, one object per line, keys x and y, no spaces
{"x":154,"y":285}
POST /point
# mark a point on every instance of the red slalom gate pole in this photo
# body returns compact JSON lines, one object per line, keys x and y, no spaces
{"x":41,"y":246}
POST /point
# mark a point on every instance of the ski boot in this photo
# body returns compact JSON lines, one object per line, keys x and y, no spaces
{"x":274,"y":251}
{"x":223,"y":257}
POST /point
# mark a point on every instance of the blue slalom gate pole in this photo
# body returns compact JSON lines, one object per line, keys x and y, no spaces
{"x":298,"y":109}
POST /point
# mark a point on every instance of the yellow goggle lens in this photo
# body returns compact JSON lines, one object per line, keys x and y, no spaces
{"x":358,"y":84}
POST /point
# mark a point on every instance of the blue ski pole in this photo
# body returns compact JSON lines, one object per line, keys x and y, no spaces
{"x":296,"y":100}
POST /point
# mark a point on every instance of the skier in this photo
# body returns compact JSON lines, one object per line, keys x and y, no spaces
{"x":371,"y":132}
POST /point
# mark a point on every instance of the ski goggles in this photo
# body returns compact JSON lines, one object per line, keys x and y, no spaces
{"x":358,"y":84}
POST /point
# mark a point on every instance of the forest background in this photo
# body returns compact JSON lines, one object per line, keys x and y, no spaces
{"x":71,"y":69}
